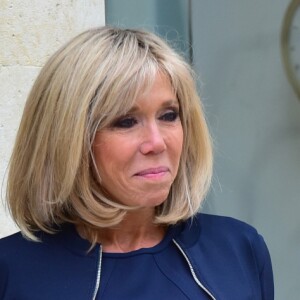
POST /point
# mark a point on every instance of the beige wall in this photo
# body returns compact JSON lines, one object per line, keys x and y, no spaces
{"x":31,"y":30}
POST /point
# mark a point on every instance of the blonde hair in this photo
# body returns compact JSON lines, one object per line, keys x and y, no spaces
{"x":87,"y":83}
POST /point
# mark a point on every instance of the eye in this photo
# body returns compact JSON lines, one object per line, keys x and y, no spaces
{"x":170,"y":116}
{"x":125,"y":122}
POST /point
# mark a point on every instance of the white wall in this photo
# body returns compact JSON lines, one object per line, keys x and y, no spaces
{"x":31,"y":30}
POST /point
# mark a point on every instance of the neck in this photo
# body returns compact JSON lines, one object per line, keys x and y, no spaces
{"x":136,"y":231}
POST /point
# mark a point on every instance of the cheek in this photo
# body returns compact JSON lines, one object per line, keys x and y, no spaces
{"x":103,"y":153}
{"x":177,"y":142}
{"x":112,"y":153}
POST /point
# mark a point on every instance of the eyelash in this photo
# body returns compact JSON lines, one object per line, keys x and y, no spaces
{"x":170,"y":116}
{"x":127,"y":122}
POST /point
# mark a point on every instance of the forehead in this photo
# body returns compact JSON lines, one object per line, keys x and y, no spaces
{"x":145,"y":88}
{"x":160,"y":89}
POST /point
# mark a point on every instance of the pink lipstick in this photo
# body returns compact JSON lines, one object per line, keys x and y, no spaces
{"x":153,"y":172}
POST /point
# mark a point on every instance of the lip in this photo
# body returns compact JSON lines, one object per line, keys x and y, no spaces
{"x":152,"y":172}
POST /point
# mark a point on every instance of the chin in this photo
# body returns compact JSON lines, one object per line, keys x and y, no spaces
{"x":157,"y":201}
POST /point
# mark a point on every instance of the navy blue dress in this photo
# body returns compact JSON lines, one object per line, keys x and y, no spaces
{"x":148,"y":274}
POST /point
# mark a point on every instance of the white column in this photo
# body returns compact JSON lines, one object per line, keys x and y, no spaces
{"x":30,"y":31}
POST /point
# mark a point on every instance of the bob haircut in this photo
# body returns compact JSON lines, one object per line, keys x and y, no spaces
{"x":83,"y":87}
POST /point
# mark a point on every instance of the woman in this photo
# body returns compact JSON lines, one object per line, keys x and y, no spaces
{"x":111,"y":163}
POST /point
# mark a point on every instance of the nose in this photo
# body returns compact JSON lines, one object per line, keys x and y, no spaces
{"x":153,"y":141}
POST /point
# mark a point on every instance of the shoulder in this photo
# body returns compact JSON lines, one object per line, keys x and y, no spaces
{"x":58,"y":266}
{"x":228,"y":235}
{"x":16,"y":253}
{"x":23,"y":244}
{"x":224,"y":226}
{"x":215,"y":229}
{"x":64,"y":238}
{"x":62,"y":254}
{"x":228,"y":232}
{"x":216,"y":220}
{"x":16,"y":249}
{"x":14,"y":243}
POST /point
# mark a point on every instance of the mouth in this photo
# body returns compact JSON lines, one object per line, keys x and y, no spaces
{"x":153,"y":172}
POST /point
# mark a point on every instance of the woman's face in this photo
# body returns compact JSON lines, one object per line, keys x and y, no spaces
{"x":137,"y":156}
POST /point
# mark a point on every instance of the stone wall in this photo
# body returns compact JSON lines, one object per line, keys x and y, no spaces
{"x":30,"y":31}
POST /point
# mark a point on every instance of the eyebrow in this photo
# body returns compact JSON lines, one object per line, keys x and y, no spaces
{"x":167,"y":103}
